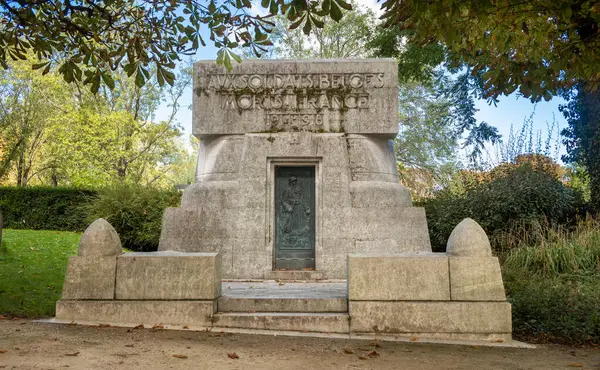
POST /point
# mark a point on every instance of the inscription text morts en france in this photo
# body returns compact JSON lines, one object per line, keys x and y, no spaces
{"x":308,"y":96}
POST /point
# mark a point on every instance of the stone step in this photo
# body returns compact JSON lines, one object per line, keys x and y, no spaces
{"x":295,"y":275}
{"x":288,"y":321}
{"x":277,"y":304}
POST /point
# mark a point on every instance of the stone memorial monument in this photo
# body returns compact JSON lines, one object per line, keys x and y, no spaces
{"x":296,"y":180}
{"x":296,"y":168}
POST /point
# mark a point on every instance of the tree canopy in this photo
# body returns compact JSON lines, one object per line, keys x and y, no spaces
{"x":539,"y":48}
{"x":90,"y":39}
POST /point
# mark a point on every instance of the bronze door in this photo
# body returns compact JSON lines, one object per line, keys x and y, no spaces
{"x":295,"y":217}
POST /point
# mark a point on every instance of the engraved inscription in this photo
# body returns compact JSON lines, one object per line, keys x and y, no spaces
{"x":298,"y":102}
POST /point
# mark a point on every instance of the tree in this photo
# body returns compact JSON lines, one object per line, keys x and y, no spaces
{"x":59,"y":134}
{"x":28,"y":101}
{"x":539,"y":47}
{"x":345,"y":39}
{"x":452,"y":91}
{"x":90,"y":39}
{"x":582,"y":137}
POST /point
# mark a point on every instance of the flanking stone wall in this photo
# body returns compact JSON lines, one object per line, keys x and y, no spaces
{"x":171,"y":288}
{"x":428,"y":295}
{"x":453,"y":295}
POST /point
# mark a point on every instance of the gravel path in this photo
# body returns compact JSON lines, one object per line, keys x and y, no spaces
{"x":27,"y":345}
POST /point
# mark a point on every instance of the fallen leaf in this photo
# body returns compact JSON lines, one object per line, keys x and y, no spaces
{"x":500,"y":341}
{"x":414,"y":339}
{"x":159,"y":326}
{"x":185,"y":327}
{"x":281,"y":283}
{"x":72,"y":354}
{"x":129,"y":345}
{"x":233,"y":355}
{"x":575,"y":365}
{"x":180,"y":356}
{"x":362,"y":357}
{"x":348,"y":350}
{"x":140,"y":326}
{"x":104,"y":326}
{"x":373,"y":354}
{"x":375,"y":344}
{"x":3,"y":350}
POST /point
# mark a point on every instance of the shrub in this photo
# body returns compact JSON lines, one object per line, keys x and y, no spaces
{"x":44,"y":208}
{"x":135,"y":212}
{"x":554,"y":287}
{"x":522,"y":193}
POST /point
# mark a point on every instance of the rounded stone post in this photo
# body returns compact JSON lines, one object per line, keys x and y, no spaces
{"x":468,"y":239}
{"x":100,"y":239}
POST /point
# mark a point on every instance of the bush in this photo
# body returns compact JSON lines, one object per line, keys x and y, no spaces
{"x":554,"y":287}
{"x":135,"y":212}
{"x":44,"y":208}
{"x":520,"y":193}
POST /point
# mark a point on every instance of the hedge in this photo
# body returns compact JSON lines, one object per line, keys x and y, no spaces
{"x":45,"y":208}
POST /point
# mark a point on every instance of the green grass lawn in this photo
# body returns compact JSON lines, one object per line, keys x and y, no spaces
{"x":32,"y":269}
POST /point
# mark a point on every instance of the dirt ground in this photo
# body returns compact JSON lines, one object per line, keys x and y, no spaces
{"x":28,"y":345}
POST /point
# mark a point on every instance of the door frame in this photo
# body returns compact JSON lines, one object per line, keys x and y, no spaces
{"x":292,"y":162}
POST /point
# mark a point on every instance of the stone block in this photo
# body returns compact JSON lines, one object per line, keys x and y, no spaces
{"x":297,"y":321}
{"x":147,"y":313}
{"x":168,"y":275}
{"x":372,"y":158}
{"x":90,"y":278}
{"x":402,"y":277}
{"x":430,"y":317}
{"x":100,"y":239}
{"x":257,"y":96}
{"x":376,"y":194}
{"x":476,"y":279}
{"x":468,"y":239}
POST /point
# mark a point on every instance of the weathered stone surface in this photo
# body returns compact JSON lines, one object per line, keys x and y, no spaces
{"x":168,"y":275}
{"x":301,"y":322}
{"x":430,"y":317}
{"x":147,"y":313}
{"x":352,"y":96}
{"x":231,"y":304}
{"x":99,"y":240}
{"x":359,"y":204}
{"x":402,"y":277}
{"x":476,"y":279}
{"x":90,"y":278}
{"x":468,"y":239}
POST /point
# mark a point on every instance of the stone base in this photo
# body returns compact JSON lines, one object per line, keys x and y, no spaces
{"x":147,"y":313}
{"x":423,"y":318}
{"x":301,"y":322}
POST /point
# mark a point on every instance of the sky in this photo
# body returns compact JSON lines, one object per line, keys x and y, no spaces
{"x":511,"y":110}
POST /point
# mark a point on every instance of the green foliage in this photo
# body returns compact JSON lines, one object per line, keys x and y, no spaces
{"x":52,"y":133}
{"x":554,"y":286}
{"x":583,"y":135}
{"x":516,"y":193}
{"x":558,"y":309}
{"x":44,"y":208}
{"x":343,"y":39}
{"x":96,"y":37}
{"x":538,"y":47}
{"x":32,"y":270}
{"x":135,"y":212}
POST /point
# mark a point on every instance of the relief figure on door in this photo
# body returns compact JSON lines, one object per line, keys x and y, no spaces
{"x":295,"y":217}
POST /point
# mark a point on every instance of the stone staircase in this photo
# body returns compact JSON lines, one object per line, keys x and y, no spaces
{"x":271,"y":305}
